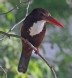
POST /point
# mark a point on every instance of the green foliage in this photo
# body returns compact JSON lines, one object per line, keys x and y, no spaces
{"x":6,"y":20}
{"x":11,"y":48}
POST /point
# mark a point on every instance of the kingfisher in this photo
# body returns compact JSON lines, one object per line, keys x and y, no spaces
{"x":33,"y":30}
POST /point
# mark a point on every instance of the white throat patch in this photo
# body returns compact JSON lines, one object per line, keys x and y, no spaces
{"x":37,"y":27}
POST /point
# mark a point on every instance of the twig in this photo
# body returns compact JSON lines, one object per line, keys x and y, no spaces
{"x":27,"y":8}
{"x":27,"y":42}
{"x":4,"y":71}
{"x":16,"y":7}
{"x":52,"y":69}
{"x":21,"y":20}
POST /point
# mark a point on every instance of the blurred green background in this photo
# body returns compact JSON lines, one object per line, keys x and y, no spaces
{"x":10,"y":49}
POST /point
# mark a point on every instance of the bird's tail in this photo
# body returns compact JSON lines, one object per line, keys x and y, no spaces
{"x":23,"y":63}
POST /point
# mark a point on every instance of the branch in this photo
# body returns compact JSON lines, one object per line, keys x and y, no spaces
{"x":29,"y":1}
{"x":16,"y":7}
{"x":27,"y":42}
{"x":4,"y":71}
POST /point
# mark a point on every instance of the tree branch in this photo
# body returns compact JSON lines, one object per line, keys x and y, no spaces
{"x":16,"y":7}
{"x":4,"y":71}
{"x":27,"y":42}
{"x":29,"y":1}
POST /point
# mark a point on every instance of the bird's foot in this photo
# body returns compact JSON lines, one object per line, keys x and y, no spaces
{"x":36,"y":52}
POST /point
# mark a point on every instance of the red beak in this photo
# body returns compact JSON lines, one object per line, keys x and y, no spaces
{"x":53,"y":21}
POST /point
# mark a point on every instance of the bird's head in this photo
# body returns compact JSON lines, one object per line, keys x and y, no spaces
{"x":42,"y":14}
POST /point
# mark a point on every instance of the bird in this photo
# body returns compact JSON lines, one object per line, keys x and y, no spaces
{"x":33,"y":30}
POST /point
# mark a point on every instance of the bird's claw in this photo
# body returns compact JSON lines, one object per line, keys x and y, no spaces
{"x":37,"y":51}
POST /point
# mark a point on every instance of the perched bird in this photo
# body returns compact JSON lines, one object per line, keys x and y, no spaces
{"x":33,"y":30}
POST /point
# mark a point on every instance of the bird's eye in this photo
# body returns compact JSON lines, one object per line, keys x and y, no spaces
{"x":41,"y":14}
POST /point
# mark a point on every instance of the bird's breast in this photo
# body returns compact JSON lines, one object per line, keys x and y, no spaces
{"x":36,"y":28}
